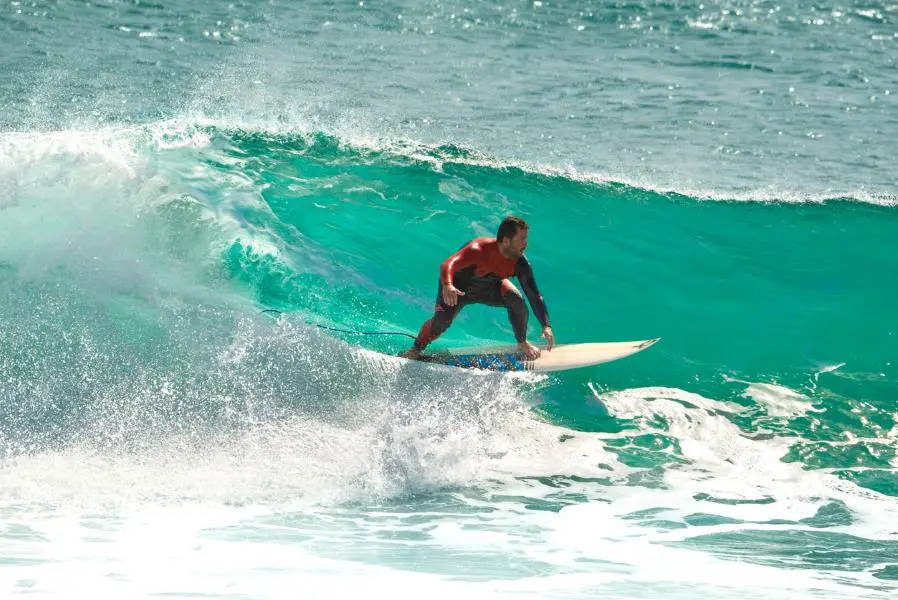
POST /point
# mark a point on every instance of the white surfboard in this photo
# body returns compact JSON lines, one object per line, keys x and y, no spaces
{"x":560,"y":358}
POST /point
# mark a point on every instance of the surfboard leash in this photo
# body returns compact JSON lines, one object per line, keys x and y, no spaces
{"x":280,"y":312}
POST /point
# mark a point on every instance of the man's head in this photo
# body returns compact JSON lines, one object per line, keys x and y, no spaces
{"x":512,"y":237}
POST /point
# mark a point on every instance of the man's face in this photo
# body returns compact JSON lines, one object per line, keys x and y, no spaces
{"x":514,"y":246}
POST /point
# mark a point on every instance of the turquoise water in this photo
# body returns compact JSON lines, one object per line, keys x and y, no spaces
{"x":716,"y":174}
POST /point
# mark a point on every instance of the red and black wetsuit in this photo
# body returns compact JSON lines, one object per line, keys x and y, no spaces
{"x":481,"y":271}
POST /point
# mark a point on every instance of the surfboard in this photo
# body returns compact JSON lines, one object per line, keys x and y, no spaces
{"x":562,"y":357}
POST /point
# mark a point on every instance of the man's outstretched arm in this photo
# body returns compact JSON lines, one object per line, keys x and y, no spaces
{"x":524,"y":273}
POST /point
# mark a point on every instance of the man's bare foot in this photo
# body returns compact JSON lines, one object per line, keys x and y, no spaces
{"x":412,"y":353}
{"x":528,"y":350}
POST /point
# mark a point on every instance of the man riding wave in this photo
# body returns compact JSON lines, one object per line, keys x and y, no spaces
{"x":479,"y":274}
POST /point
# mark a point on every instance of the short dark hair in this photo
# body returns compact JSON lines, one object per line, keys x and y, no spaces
{"x":510,"y":227}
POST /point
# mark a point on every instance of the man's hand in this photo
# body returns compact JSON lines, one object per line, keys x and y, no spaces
{"x":528,"y":350}
{"x":550,"y":337}
{"x":451,"y":294}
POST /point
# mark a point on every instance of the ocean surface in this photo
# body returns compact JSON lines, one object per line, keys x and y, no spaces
{"x":718,"y":174}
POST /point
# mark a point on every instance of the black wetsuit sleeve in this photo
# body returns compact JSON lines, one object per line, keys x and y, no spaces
{"x":525,"y":275}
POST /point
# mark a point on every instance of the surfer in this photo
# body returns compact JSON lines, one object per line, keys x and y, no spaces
{"x":479,"y":274}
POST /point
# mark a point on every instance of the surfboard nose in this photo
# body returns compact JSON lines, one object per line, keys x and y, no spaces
{"x":647,"y":343}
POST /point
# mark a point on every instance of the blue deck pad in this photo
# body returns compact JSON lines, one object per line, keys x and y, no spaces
{"x":509,"y":361}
